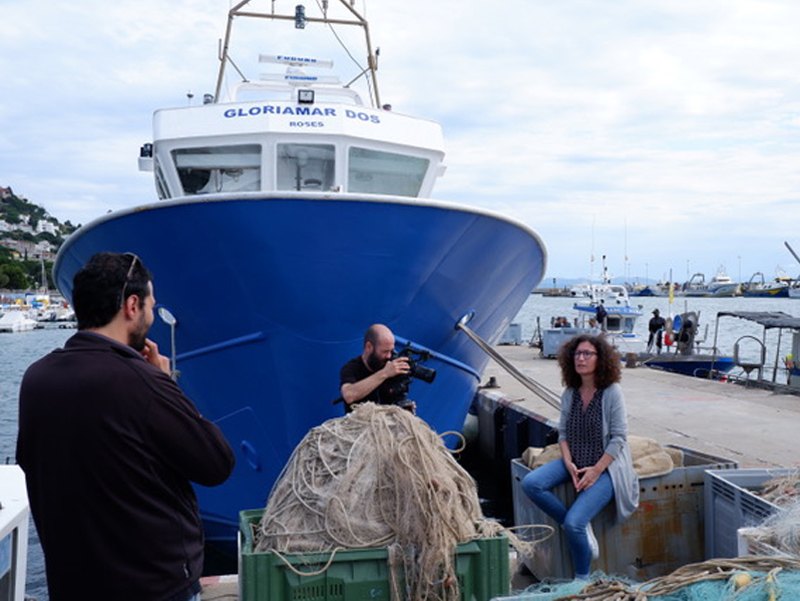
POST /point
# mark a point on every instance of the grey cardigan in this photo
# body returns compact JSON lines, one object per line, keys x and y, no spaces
{"x":615,"y":443}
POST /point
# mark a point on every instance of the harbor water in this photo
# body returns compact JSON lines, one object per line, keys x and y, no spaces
{"x":19,"y":350}
{"x":538,"y":311}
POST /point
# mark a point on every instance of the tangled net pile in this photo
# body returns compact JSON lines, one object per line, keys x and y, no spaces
{"x":781,"y":531}
{"x":782,"y":490}
{"x":378,"y":477}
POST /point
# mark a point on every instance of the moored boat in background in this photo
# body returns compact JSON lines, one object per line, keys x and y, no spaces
{"x":310,"y":209}
{"x":758,"y":287}
{"x":620,"y":315}
{"x":694,"y":286}
{"x":722,"y":284}
{"x":16,"y":320}
{"x":684,"y":354}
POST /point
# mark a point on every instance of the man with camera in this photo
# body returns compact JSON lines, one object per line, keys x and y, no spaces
{"x":375,"y":375}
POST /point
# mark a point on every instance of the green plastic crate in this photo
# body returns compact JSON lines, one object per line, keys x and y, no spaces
{"x":482,"y":569}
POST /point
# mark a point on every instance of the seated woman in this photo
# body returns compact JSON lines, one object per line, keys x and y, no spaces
{"x":596,"y":458}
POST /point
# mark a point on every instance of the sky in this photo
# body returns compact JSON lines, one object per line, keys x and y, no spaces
{"x":664,"y":136}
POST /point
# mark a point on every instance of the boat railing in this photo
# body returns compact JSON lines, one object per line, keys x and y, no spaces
{"x":750,"y":366}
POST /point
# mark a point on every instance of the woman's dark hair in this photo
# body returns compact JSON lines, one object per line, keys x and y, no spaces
{"x":607,"y":371}
{"x":100,"y":287}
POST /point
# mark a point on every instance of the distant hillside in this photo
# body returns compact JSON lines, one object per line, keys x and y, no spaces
{"x":28,"y":228}
{"x":29,"y":235}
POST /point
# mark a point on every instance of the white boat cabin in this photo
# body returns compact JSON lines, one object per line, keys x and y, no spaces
{"x":295,"y":133}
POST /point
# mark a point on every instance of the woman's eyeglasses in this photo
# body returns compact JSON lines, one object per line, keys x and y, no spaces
{"x":134,"y":260}
{"x":585,"y":354}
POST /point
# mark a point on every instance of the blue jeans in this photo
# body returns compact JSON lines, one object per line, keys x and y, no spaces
{"x":538,"y":485}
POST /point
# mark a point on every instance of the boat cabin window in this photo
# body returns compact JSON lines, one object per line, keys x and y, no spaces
{"x":377,"y":172}
{"x":613,"y":323}
{"x":305,"y":167}
{"x":210,"y":169}
{"x":161,"y":183}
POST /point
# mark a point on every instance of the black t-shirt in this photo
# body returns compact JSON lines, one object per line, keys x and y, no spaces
{"x":657,"y":323}
{"x":386,"y":394}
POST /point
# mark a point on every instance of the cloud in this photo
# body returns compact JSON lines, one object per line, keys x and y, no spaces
{"x":664,"y":131}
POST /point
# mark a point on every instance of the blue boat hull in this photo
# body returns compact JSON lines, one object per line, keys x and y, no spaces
{"x":770,"y":293}
{"x":692,"y":365}
{"x":272,"y":295}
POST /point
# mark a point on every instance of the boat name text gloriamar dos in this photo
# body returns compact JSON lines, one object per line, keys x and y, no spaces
{"x":270,"y":109}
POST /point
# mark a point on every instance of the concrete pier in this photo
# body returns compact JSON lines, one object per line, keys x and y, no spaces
{"x":755,"y":427}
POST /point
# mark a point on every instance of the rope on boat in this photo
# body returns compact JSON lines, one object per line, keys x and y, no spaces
{"x":544,"y":393}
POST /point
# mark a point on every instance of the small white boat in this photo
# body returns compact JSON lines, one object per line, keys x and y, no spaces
{"x":16,"y":321}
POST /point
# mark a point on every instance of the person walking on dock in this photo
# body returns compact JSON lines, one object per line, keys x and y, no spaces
{"x":596,"y":458}
{"x":110,"y":445}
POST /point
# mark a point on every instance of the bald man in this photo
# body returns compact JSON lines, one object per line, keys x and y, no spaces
{"x":373,"y":375}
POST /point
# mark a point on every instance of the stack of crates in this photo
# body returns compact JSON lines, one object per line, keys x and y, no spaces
{"x":482,"y":569}
{"x":665,"y":533}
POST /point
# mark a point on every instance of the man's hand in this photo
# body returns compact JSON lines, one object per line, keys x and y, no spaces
{"x":396,"y":367}
{"x":152,"y":356}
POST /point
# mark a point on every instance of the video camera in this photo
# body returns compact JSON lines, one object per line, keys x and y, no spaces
{"x":400,"y":384}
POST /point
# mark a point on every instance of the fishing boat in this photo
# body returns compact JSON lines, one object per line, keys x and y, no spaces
{"x":684,"y":354}
{"x":721,"y":285}
{"x":695,"y":286}
{"x":758,"y":287}
{"x":305,"y":211}
{"x":794,"y":288}
{"x":620,"y":315}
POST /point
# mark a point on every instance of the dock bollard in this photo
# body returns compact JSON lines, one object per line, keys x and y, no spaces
{"x":630,"y":359}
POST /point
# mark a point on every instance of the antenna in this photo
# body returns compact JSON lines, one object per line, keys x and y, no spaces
{"x":591,"y":259}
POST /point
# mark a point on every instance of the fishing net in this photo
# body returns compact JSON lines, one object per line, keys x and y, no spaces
{"x":379,"y":477}
{"x":778,"y":534}
{"x":782,"y":490}
{"x":750,"y":578}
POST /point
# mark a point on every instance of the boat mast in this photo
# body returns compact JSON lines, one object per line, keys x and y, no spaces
{"x":237,"y":11}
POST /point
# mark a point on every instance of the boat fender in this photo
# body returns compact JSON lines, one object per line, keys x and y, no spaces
{"x":668,"y":339}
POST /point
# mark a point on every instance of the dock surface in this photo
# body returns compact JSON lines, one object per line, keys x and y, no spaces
{"x":752,"y":426}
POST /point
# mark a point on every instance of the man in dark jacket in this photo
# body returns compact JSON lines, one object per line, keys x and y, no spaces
{"x":110,"y":445}
{"x":656,"y":328}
